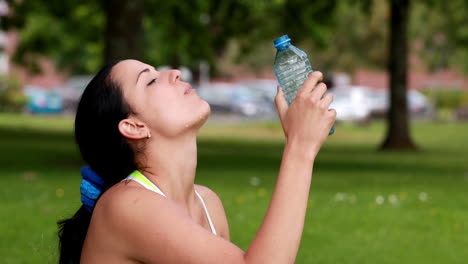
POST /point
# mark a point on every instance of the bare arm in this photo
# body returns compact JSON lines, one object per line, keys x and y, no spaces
{"x":279,"y":237}
{"x":160,"y":232}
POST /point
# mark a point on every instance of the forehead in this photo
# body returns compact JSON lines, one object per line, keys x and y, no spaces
{"x":127,"y":70}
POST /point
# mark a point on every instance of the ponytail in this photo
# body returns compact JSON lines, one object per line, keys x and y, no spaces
{"x":101,"y":108}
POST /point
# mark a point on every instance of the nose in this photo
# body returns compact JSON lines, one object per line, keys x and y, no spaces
{"x":174,"y":75}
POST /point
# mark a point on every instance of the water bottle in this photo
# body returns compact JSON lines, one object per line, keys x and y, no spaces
{"x":292,"y":67}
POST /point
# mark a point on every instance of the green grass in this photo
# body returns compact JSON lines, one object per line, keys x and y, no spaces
{"x":426,"y":223}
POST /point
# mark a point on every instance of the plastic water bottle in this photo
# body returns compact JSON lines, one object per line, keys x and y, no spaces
{"x":292,"y":67}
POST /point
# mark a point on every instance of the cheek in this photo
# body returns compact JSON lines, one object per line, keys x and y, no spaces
{"x":170,"y":114}
{"x":165,"y":113}
{"x":198,"y":111}
{"x":159,"y":101}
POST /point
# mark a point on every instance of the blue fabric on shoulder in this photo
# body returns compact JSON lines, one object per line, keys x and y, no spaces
{"x":90,"y":188}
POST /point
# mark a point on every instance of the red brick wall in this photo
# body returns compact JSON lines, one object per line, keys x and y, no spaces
{"x":50,"y":76}
{"x":417,"y":80}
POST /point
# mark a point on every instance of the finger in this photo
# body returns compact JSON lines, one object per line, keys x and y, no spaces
{"x":281,"y":103}
{"x":311,"y":82}
{"x":319,"y":91}
{"x":332,"y":112}
{"x":327,"y":99}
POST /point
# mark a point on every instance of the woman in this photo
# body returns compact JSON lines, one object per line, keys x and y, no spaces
{"x":136,"y":128}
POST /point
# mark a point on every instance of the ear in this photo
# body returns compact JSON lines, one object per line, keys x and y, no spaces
{"x":133,"y":129}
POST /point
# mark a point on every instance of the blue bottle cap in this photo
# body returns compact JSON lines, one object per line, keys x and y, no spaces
{"x":281,"y":40}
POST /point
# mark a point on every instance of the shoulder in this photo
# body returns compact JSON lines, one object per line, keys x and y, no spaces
{"x":124,"y":194}
{"x":128,"y":217}
{"x":212,"y":200}
{"x":216,"y":210}
{"x":122,"y":214}
{"x":142,"y":225}
{"x":127,"y":199}
{"x":207,"y":194}
{"x":131,"y":211}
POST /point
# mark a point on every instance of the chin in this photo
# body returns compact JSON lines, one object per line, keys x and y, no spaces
{"x":197,"y":116}
{"x":205,"y":113}
{"x":208,"y":108}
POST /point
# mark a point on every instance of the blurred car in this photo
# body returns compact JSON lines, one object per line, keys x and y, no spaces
{"x":266,"y":88}
{"x":42,"y":100}
{"x":378,"y":103}
{"x":351,"y":104}
{"x":236,"y":98}
{"x":418,"y":104}
{"x":72,"y":91}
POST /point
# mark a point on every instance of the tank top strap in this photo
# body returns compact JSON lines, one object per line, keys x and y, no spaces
{"x":213,"y":230}
{"x":141,"y":179}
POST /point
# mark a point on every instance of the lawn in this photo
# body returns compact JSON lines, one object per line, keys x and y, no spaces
{"x":365,"y":206}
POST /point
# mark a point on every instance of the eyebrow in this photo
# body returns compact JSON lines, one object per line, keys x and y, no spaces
{"x":145,"y":70}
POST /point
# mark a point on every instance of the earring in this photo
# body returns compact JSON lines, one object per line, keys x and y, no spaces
{"x":149,"y":135}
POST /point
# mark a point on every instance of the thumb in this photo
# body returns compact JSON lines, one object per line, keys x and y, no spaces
{"x":281,"y":103}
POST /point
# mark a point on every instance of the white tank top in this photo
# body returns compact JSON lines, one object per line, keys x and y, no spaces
{"x":141,"y":179}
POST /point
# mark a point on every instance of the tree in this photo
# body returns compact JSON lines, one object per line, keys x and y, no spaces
{"x":82,"y":34}
{"x":448,"y":29}
{"x":79,"y":35}
{"x":123,"y":34}
{"x":187,"y":32}
{"x":398,"y":136}
{"x":363,"y":44}
{"x":370,"y":39}
{"x":441,"y":28}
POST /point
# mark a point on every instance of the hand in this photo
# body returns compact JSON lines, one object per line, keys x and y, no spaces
{"x":307,"y":121}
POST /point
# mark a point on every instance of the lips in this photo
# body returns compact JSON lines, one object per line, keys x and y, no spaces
{"x":188,"y":89}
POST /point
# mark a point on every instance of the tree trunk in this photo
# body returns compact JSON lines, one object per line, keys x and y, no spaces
{"x":124,"y":29}
{"x":398,"y":136}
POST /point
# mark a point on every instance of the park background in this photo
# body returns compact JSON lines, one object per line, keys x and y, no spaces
{"x":390,"y":188}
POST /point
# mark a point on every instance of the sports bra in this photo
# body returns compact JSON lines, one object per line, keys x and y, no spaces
{"x":141,"y":179}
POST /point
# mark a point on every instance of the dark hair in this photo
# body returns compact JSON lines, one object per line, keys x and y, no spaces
{"x":101,"y":108}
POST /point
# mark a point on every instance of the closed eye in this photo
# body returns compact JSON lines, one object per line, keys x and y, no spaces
{"x":152,"y":81}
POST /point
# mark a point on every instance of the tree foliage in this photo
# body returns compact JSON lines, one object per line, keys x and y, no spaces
{"x":186,"y":32}
{"x":69,"y":32}
{"x":359,"y":37}
{"x":442,"y":28}
{"x":341,"y":35}
{"x":75,"y":33}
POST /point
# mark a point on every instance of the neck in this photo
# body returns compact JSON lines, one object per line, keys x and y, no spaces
{"x":171,"y":163}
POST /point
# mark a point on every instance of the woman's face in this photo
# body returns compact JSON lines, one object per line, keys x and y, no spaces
{"x":165,"y":104}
